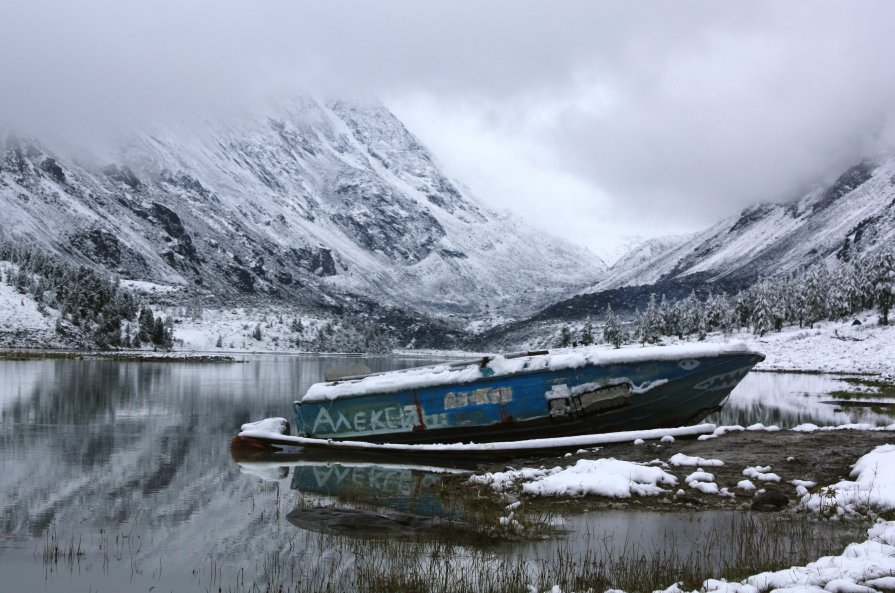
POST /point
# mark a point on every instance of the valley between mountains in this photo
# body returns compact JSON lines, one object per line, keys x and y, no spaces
{"x":312,"y":216}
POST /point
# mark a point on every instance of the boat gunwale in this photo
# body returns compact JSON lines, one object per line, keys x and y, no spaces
{"x":745,"y":351}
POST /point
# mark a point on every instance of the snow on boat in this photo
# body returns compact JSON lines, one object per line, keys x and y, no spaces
{"x":536,"y":395}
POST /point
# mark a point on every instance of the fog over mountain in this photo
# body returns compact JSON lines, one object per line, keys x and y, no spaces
{"x":594,"y":121}
{"x":304,"y":201}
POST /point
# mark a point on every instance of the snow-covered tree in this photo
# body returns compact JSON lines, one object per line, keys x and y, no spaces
{"x":668,"y":315}
{"x":816,"y":290}
{"x":852,"y":281}
{"x":743,"y":303}
{"x":587,"y":333}
{"x":762,"y":316}
{"x":882,"y":274}
{"x":838,"y":301}
{"x":565,"y":337}
{"x":612,"y":330}
{"x":691,"y":316}
{"x":649,"y":323}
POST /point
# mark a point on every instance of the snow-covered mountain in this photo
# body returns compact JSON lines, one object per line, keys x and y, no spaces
{"x":832,"y":223}
{"x":304,"y":200}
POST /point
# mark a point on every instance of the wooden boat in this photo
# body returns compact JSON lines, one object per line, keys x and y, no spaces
{"x":533,"y":395}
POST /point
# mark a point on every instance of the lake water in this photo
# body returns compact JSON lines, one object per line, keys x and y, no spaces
{"x":129,"y":464}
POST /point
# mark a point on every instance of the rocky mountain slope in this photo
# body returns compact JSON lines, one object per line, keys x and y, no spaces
{"x":832,"y":223}
{"x":849,"y":218}
{"x":306,"y":201}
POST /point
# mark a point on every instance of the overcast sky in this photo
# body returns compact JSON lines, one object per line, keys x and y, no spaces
{"x":597,"y":121}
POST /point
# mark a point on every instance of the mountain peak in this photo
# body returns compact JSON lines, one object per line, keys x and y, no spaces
{"x":303,"y":200}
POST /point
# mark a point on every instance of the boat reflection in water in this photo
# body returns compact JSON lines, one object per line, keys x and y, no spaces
{"x":366,"y":499}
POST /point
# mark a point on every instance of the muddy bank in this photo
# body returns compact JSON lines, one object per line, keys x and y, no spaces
{"x":820,"y":457}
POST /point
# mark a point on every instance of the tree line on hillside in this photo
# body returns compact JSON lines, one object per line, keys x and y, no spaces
{"x":804,"y":298}
{"x":105,"y":313}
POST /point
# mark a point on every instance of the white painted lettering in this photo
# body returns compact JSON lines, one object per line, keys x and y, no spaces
{"x":342,"y":420}
{"x":376,"y":420}
{"x":323,"y":419}
{"x":409,"y":418}
{"x":393,"y":422}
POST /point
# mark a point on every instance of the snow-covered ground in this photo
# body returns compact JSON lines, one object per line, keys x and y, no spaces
{"x":22,"y":324}
{"x":833,"y":346}
{"x":235,"y":329}
{"x":828,"y":347}
{"x":836,"y":347}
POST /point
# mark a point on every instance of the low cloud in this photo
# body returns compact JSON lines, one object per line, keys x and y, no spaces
{"x":663,"y":116}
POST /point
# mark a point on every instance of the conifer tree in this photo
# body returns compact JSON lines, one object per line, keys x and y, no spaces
{"x":612,"y":331}
{"x":668,"y":316}
{"x":650,"y":322}
{"x":882,"y":273}
{"x":565,"y":337}
{"x":762,"y":319}
{"x":816,"y":287}
{"x":690,"y":313}
{"x":147,"y":325}
{"x":587,"y":333}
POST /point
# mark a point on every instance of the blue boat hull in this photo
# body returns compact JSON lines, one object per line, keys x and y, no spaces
{"x":535,"y":404}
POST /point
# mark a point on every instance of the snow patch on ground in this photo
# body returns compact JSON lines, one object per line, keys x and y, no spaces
{"x":808,"y":427}
{"x":687,"y":460}
{"x":872,"y":486}
{"x":149,"y":288}
{"x":613,"y":478}
{"x":702,"y":481}
{"x":759,"y":427}
{"x":761,"y":474}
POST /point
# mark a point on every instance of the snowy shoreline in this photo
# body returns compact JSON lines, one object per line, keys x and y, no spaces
{"x":837,"y":348}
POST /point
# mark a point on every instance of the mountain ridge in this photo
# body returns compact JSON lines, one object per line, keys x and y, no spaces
{"x":853,"y":215}
{"x":303,"y":200}
{"x":832,"y":223}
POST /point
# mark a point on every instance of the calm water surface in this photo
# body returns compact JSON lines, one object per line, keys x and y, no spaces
{"x":130,"y":463}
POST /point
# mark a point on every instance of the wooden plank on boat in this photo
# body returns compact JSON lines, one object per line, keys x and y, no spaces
{"x":258,"y":440}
